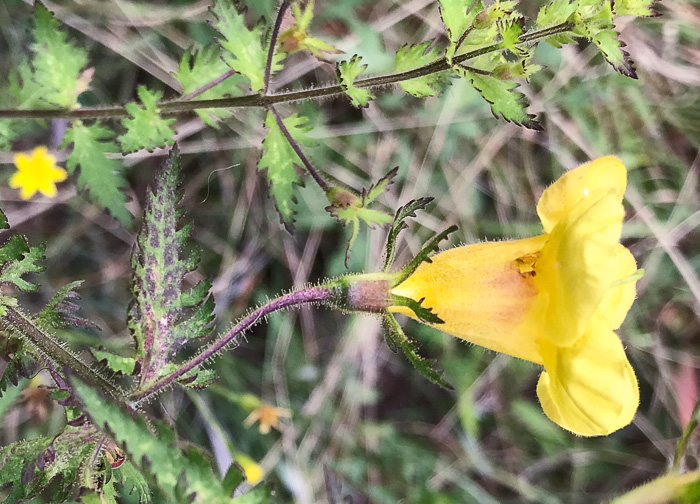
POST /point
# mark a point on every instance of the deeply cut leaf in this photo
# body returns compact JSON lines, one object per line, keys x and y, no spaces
{"x":410,"y":57}
{"x":246,"y":53}
{"x":202,"y":67}
{"x":347,"y":72}
{"x":100,"y":174}
{"x":349,"y":208}
{"x":146,"y":129}
{"x":57,"y":62}
{"x":397,"y":339}
{"x":163,"y":316}
{"x":503,"y":99}
{"x":174,"y":472}
{"x":28,"y":467}
{"x":279,"y":159}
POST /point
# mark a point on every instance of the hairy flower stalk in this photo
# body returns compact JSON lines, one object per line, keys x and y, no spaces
{"x":553,"y":299}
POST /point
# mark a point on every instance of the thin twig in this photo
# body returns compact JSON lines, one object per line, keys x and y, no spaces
{"x":208,"y":86}
{"x":273,"y":44}
{"x":297,"y":148}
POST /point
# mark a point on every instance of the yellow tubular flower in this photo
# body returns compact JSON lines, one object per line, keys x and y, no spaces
{"x":36,"y":172}
{"x":554,"y":299}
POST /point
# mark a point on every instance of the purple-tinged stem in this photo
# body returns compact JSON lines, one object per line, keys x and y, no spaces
{"x":273,"y":44}
{"x":208,"y":86}
{"x":295,"y":145}
{"x":305,"y":296}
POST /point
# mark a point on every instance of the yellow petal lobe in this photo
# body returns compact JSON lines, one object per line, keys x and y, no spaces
{"x":590,"y":388}
{"x":563,"y":195}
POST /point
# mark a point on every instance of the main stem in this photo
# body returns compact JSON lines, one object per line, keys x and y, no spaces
{"x":304,"y":296}
{"x":266,"y":100}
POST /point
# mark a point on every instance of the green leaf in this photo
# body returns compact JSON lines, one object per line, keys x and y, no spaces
{"x":102,"y":175}
{"x":611,"y":49}
{"x":30,"y":466}
{"x":129,"y":477}
{"x":347,"y":72}
{"x":60,"y":311}
{"x":403,"y":213}
{"x":458,"y":16}
{"x":21,"y":362}
{"x":641,"y":8}
{"x":57,"y":62}
{"x":410,"y":57}
{"x":162,"y":316}
{"x":396,"y":338}
{"x":117,"y":363}
{"x":279,"y":158}
{"x":502,"y":97}
{"x":12,"y":271}
{"x":173,"y":471}
{"x":557,"y":12}
{"x":246,"y":53}
{"x":198,"y":378}
{"x":510,"y":28}
{"x":146,"y":129}
{"x":348,"y":207}
{"x":202,"y":67}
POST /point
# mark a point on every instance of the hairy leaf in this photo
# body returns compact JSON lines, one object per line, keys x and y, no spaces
{"x":642,"y":8}
{"x":403,"y":213}
{"x":162,"y":315}
{"x":101,"y":174}
{"x":410,"y":57}
{"x":554,"y":13}
{"x":60,"y":311}
{"x":246,"y":52}
{"x":503,"y":98}
{"x":22,"y":92}
{"x":28,"y":467}
{"x":348,"y":207}
{"x":57,"y":62}
{"x":174,"y":472}
{"x":146,"y":129}
{"x":129,"y":477}
{"x":11,"y":271}
{"x":458,"y":16}
{"x":21,"y":362}
{"x":397,"y":339}
{"x":117,"y":363}
{"x":279,"y":159}
{"x":197,"y":69}
{"x":347,"y":72}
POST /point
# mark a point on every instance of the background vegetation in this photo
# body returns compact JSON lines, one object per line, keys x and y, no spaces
{"x":364,"y":423}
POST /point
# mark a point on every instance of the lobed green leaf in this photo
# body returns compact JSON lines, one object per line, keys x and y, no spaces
{"x":415,"y":56}
{"x":246,"y":52}
{"x":174,"y":472}
{"x":57,"y":62}
{"x":199,"y":68}
{"x":347,"y":72}
{"x":100,"y":174}
{"x":146,"y":129}
{"x":279,"y":159}
{"x":29,"y":467}
{"x":502,"y":97}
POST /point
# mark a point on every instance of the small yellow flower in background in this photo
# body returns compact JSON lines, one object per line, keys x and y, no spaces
{"x":251,"y":470}
{"x":268,"y":416}
{"x":554,"y":299}
{"x":36,"y":172}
